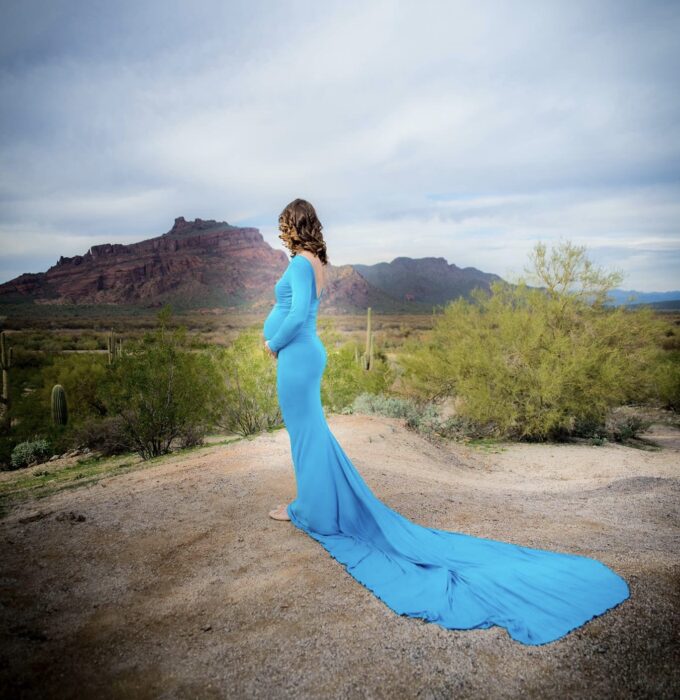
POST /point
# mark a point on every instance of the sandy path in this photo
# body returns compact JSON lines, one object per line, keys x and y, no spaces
{"x":176,"y":584}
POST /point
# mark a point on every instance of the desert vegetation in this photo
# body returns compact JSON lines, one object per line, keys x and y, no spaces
{"x":546,"y":362}
{"x":549,"y":361}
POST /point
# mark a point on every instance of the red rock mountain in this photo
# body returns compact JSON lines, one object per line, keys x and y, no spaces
{"x":211,"y":264}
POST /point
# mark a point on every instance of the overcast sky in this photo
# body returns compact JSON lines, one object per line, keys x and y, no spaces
{"x":466,"y":130}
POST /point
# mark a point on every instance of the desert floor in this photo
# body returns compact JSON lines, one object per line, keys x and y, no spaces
{"x":170,"y":581}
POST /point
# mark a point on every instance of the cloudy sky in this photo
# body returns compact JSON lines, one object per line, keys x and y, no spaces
{"x":467,"y":130}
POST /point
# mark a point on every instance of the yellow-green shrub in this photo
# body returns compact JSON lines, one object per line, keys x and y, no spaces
{"x":535,"y":363}
{"x":344,"y":378}
{"x":248,"y":385}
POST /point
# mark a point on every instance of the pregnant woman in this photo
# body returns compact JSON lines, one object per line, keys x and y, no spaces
{"x":455,"y":580}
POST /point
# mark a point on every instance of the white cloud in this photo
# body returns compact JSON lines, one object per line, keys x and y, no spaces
{"x":536,"y":124}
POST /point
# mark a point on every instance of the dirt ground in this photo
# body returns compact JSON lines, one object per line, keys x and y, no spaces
{"x":172,"y":582}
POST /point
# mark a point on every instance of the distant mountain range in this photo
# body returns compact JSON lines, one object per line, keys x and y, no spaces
{"x":659,"y":300}
{"x":208,"y":264}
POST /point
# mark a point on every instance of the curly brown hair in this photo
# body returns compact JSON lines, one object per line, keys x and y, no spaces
{"x":301,"y":229}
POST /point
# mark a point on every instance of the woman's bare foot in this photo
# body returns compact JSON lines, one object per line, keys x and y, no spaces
{"x":279,"y":513}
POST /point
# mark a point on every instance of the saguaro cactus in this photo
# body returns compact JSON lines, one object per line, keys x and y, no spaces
{"x":368,"y":355}
{"x":115,"y":346}
{"x":59,"y":407}
{"x":5,"y":363}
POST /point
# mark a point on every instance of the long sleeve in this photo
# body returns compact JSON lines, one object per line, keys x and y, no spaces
{"x":301,"y":280}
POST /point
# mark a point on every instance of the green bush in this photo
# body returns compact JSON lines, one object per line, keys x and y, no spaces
{"x":7,"y":445}
{"x":248,"y":386}
{"x":162,"y":391}
{"x":248,"y":381}
{"x":533,"y":363}
{"x":30,"y":452}
{"x":105,"y":435}
{"x":344,"y":378}
{"x":425,"y":419}
{"x":621,"y":425}
{"x":83,"y":377}
{"x":665,"y":379}
{"x":381,"y":404}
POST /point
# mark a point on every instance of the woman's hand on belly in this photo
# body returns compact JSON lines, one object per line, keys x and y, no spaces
{"x":269,"y":350}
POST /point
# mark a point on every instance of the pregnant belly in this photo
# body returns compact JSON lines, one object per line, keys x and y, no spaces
{"x":273,"y":321}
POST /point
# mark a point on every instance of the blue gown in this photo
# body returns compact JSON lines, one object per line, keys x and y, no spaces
{"x":456,"y":580}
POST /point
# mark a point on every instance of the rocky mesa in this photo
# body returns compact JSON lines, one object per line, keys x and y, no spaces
{"x":212,"y":264}
{"x":194,"y":259}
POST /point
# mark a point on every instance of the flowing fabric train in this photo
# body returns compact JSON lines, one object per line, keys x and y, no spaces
{"x":456,"y":580}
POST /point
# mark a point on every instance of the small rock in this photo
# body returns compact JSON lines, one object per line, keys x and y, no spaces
{"x":74,"y":517}
{"x":36,"y":516}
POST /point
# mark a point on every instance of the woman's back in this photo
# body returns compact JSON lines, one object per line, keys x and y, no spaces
{"x":293,"y":317}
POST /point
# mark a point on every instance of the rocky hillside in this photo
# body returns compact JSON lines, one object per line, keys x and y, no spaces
{"x":212,"y":264}
{"x":200,"y":261}
{"x":425,"y":280}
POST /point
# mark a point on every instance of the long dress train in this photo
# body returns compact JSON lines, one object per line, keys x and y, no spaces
{"x":456,"y":580}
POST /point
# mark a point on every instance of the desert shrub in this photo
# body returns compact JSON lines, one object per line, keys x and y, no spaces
{"x":28,"y":419}
{"x":7,"y":445}
{"x":424,"y":418}
{"x":249,"y":381}
{"x":429,"y":423}
{"x":665,"y":379}
{"x":621,"y":425}
{"x":105,"y":435}
{"x":381,"y":404}
{"x":535,"y":363}
{"x":192,"y":436}
{"x":82,"y":376}
{"x":248,"y":386}
{"x":30,"y":452}
{"x":344,"y":378}
{"x":162,"y":391}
